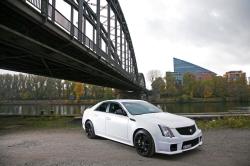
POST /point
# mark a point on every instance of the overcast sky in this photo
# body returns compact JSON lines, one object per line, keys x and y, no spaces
{"x":214,"y":34}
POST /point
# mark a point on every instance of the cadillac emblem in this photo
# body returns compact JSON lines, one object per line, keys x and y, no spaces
{"x":191,"y":130}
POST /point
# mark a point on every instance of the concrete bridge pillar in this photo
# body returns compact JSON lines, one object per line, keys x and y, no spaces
{"x":122,"y":94}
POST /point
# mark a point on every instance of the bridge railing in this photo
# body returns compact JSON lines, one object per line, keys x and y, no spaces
{"x":65,"y":24}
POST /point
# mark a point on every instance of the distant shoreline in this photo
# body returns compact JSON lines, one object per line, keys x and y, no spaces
{"x":48,"y":102}
{"x":197,"y":100}
{"x":93,"y":101}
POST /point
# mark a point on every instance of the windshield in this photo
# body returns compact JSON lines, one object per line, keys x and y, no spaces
{"x":140,"y":107}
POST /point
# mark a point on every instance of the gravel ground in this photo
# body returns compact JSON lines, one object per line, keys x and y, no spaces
{"x":70,"y":147}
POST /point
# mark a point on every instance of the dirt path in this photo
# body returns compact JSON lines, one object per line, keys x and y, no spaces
{"x":70,"y":147}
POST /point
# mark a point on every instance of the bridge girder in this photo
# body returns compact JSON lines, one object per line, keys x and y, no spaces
{"x":117,"y":52}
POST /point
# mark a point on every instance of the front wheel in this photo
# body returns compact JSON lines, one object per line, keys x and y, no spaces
{"x":90,"y":131}
{"x":144,"y":143}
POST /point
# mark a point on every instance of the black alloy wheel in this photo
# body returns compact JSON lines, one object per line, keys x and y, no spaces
{"x":144,"y":143}
{"x":89,"y":128}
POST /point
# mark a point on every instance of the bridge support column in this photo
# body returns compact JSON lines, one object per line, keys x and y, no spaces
{"x":98,"y":26}
{"x":72,"y":21}
{"x":108,"y":22}
{"x":44,"y":8}
{"x":53,"y":10}
{"x":80,"y":14}
{"x":121,"y":52}
{"x":116,"y":50}
{"x":122,"y":94}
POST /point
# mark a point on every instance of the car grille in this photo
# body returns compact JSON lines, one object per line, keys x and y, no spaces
{"x":191,"y":143}
{"x":186,"y":130}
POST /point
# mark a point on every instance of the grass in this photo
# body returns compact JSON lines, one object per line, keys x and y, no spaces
{"x":226,"y":122}
{"x":69,"y":122}
{"x":38,"y":122}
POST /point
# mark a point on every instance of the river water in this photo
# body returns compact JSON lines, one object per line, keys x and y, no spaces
{"x":69,"y":110}
{"x":63,"y":110}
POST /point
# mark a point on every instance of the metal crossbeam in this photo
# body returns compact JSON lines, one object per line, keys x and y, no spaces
{"x":108,"y":40}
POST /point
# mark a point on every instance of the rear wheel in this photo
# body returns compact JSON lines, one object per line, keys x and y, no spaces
{"x":144,"y":143}
{"x":90,"y":131}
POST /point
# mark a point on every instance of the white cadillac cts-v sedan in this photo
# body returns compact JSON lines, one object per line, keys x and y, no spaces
{"x":143,"y":125}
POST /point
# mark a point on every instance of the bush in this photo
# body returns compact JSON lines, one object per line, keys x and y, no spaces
{"x":226,"y":122}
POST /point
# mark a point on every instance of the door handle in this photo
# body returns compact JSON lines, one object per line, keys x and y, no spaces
{"x":107,"y":118}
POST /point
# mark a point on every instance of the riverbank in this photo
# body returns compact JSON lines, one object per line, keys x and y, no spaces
{"x":76,"y":108}
{"x":27,"y":122}
{"x":49,"y":102}
{"x":94,"y":101}
{"x":37,"y":122}
{"x":186,"y":99}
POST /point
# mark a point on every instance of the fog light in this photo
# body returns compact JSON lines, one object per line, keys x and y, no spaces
{"x":173,"y":147}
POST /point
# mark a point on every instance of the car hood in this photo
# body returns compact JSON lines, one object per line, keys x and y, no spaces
{"x":167,"y":119}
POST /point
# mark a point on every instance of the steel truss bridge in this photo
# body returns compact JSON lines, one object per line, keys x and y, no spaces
{"x":79,"y":40}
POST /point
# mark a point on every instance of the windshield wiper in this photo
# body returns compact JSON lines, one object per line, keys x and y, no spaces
{"x":146,"y":113}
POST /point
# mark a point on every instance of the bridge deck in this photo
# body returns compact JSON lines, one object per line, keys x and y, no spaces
{"x":31,"y":43}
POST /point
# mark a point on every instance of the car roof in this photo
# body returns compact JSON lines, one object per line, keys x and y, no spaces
{"x":122,"y":100}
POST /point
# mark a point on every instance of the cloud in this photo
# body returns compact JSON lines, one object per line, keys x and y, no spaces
{"x":221,"y":25}
{"x":211,"y":33}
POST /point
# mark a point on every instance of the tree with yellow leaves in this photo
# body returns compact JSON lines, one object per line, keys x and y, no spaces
{"x":78,"y":89}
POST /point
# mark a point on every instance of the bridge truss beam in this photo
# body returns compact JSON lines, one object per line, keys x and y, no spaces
{"x":102,"y":30}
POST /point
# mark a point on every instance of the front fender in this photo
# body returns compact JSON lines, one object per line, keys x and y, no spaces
{"x":136,"y":126}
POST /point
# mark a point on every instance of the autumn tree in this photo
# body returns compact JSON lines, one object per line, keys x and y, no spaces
{"x":198,"y":89}
{"x":153,"y":74}
{"x":30,"y":87}
{"x":208,"y":91}
{"x":242,"y":88}
{"x":158,"y":85}
{"x":67,"y":89}
{"x":189,"y":84}
{"x":219,"y":85}
{"x":78,"y":89}
{"x":171,"y":89}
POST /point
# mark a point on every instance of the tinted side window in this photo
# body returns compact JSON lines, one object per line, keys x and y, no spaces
{"x":115,"y":108}
{"x":102,"y":107}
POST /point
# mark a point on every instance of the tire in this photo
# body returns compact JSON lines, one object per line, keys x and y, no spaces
{"x":144,"y":143}
{"x":89,"y":129}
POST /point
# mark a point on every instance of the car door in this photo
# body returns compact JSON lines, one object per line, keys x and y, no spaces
{"x":99,"y":115}
{"x":117,"y":122}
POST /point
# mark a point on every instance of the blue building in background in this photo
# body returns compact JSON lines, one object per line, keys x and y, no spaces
{"x":181,"y":67}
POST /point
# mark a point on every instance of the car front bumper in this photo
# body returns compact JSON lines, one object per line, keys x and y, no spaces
{"x":178,"y":144}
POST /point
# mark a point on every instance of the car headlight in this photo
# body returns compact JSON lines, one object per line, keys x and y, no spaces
{"x":196,"y":126}
{"x":166,"y":131}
